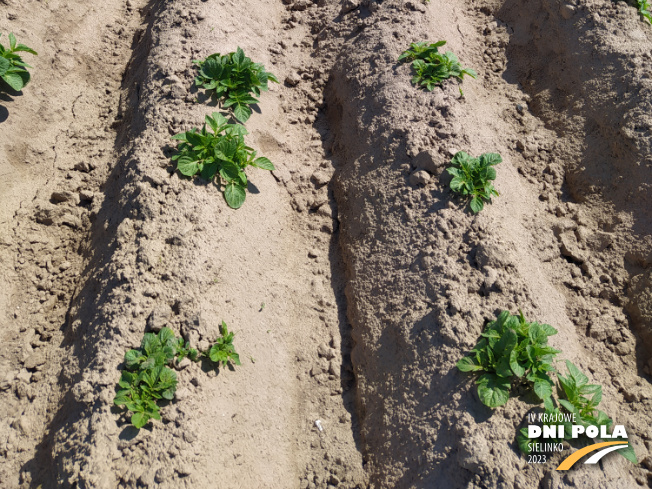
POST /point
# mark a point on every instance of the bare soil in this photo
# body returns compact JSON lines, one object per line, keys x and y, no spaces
{"x":353,"y":280}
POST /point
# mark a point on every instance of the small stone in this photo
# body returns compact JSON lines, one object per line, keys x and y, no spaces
{"x":567,"y":11}
{"x":428,"y":160}
{"x":520,"y":144}
{"x":86,"y":195}
{"x":64,"y":196}
{"x":419,"y":177}
{"x":300,"y":5}
{"x":181,"y":394}
{"x":293,"y":79}
{"x":158,"y":318}
{"x":36,"y":359}
{"x":313,"y":253}
{"x":452,"y":151}
{"x":65,"y":266}
{"x":24,"y":376}
{"x":320,"y":178}
{"x":83,"y":166}
{"x":185,"y":363}
{"x":349,"y":5}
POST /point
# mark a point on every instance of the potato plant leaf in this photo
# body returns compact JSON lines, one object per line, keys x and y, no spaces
{"x":13,"y":70}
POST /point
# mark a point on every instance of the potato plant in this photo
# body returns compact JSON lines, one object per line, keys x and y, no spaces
{"x":472,"y":177}
{"x":147,"y":377}
{"x":645,"y":8}
{"x":431,"y":67}
{"x":221,"y":152}
{"x":576,"y":396}
{"x":511,"y":349}
{"x":233,"y":78}
{"x":13,"y":70}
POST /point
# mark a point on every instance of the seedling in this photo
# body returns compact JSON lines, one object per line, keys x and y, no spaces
{"x":578,"y":397}
{"x":13,"y":70}
{"x":644,"y":8}
{"x":431,"y":67}
{"x":232,"y":78}
{"x":221,"y":152}
{"x":472,"y":177}
{"x":511,"y":348}
{"x":223,"y":351}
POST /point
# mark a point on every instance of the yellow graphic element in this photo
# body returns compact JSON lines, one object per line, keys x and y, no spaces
{"x":574,"y":457}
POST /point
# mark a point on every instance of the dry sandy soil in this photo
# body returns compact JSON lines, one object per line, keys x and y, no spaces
{"x":354,"y":281}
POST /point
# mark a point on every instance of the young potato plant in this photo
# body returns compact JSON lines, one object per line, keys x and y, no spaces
{"x":645,"y":8}
{"x":13,"y":70}
{"x":431,"y":67}
{"x":576,"y":396}
{"x":232,"y":78}
{"x":472,"y":177}
{"x":223,"y":351}
{"x":510,"y":349}
{"x":148,"y":379}
{"x":222,"y":152}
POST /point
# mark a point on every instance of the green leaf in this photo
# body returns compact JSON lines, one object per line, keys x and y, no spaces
{"x":133,"y":359}
{"x":22,"y":47}
{"x":4,"y":65}
{"x":466,"y":364}
{"x":242,"y":113}
{"x":476,"y":204}
{"x":187,"y":166}
{"x":579,"y":378}
{"x":516,"y":367}
{"x":139,"y":420}
{"x":628,"y":453}
{"x":16,"y":80}
{"x":234,"y":195}
{"x":12,"y":41}
{"x":493,"y":390}
{"x":543,"y":389}
{"x":263,"y":163}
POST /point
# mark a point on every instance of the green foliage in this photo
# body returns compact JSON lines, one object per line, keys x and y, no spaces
{"x":472,"y":177}
{"x":432,"y":67}
{"x":232,"y":78}
{"x":645,"y":8}
{"x":223,"y":351}
{"x":13,"y":70}
{"x":511,"y":348}
{"x":220,"y":151}
{"x":147,"y":377}
{"x":578,"y":397}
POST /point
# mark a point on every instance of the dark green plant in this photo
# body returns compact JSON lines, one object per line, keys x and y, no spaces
{"x":13,"y":70}
{"x":232,"y":78}
{"x":432,"y":67}
{"x":223,"y":351}
{"x":472,"y":177}
{"x":510,"y":349}
{"x":220,"y":151}
{"x":147,"y":377}
{"x":644,"y":8}
{"x":578,"y":397}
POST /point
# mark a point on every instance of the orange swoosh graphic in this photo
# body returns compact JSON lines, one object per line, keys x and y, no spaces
{"x":574,"y":457}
